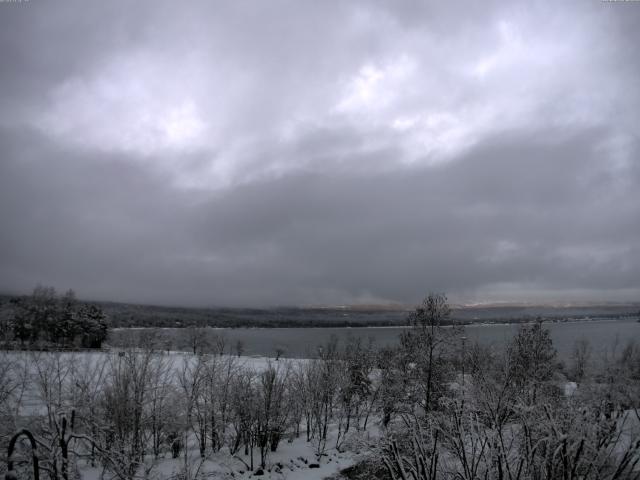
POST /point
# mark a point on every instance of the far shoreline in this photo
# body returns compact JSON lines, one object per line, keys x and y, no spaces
{"x":369,"y":326}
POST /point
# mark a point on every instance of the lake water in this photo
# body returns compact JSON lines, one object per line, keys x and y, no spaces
{"x":604,"y":336}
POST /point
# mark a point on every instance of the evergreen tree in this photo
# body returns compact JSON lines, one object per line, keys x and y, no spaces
{"x":59,"y":320}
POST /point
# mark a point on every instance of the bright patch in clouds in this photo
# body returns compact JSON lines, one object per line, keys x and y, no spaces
{"x":127,"y":106}
{"x":375,"y":87}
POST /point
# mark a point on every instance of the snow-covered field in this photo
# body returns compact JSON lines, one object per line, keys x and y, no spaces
{"x":32,"y":405}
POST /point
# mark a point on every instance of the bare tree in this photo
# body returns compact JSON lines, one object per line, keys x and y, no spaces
{"x":353,"y":386}
{"x":220,"y":343}
{"x":244,"y":418}
{"x":532,"y":359}
{"x":425,"y":353}
{"x":220,"y":375}
{"x":239,"y":348}
{"x":14,"y":379}
{"x":272,"y":415}
{"x":198,"y":340}
{"x":162,"y":396}
{"x":322,"y":381}
{"x":580,"y":359}
{"x":191,"y":379}
{"x":87,"y":381}
{"x":124,"y":434}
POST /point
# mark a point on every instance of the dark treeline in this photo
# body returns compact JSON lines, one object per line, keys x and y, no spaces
{"x":122,"y":315}
{"x":127,"y":315}
{"x":46,"y":319}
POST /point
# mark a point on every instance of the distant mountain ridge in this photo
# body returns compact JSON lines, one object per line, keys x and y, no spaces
{"x":136,"y":315}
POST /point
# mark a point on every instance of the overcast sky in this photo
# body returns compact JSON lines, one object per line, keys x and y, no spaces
{"x":321,"y":152}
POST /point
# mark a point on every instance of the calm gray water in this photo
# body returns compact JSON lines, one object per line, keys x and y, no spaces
{"x":604,"y":336}
{"x":302,"y":342}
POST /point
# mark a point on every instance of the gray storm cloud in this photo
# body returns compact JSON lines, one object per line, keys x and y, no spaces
{"x":243,"y":153}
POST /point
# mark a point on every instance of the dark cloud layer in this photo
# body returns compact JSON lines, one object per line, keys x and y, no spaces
{"x":233,"y":154}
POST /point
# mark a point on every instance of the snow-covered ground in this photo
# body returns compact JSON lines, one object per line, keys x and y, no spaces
{"x":292,"y":462}
{"x":31,"y":405}
{"x":294,"y":459}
